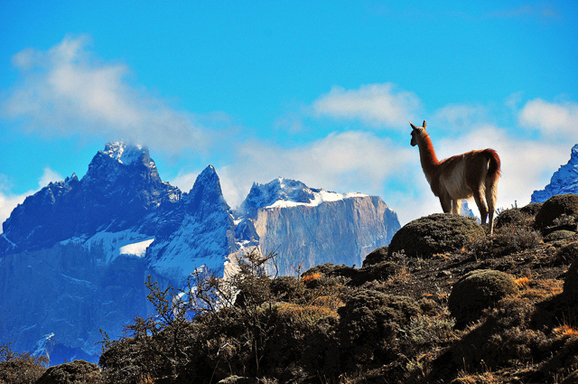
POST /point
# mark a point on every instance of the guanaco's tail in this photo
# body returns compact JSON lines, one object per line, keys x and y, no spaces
{"x":494,"y":164}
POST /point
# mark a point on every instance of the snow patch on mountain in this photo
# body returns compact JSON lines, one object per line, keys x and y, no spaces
{"x":136,"y":249}
{"x":564,"y":180}
{"x":123,"y":153}
{"x":286,"y":193}
{"x":319,"y":198}
{"x":115,"y":244}
{"x":194,"y":244}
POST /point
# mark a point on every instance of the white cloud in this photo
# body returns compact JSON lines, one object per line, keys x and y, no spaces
{"x":67,"y":91}
{"x":185,"y":180}
{"x":347,"y":162}
{"x":553,"y":120}
{"x":49,"y":176}
{"x":374,"y":104}
{"x":526,"y":165}
{"x":544,"y":11}
{"x":459,"y":116}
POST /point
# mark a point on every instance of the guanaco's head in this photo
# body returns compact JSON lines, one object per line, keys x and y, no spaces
{"x":415,"y":132}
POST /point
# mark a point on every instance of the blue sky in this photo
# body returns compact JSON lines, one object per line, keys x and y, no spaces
{"x":319,"y":91}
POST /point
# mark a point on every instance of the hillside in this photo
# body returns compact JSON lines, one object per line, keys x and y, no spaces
{"x":427,"y":309}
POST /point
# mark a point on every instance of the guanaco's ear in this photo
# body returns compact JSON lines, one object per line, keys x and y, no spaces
{"x":424,"y":124}
{"x":413,"y":126}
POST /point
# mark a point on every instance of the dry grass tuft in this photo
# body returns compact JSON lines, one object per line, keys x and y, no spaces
{"x":565,"y":330}
{"x":522,"y":282}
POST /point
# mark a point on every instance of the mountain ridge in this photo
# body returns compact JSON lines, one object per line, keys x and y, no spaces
{"x":564,"y":180}
{"x":88,"y":245}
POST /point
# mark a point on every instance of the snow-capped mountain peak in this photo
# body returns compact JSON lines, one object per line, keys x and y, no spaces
{"x":282,"y":193}
{"x":564,"y":180}
{"x":124,"y":153}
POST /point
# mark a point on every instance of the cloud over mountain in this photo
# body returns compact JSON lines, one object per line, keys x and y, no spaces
{"x":551,"y":119}
{"x":67,"y":90}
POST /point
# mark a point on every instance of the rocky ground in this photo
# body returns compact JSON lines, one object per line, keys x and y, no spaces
{"x":444,"y":303}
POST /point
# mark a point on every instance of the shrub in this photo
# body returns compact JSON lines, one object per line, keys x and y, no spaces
{"x":20,"y":368}
{"x":559,"y":207}
{"x":560,"y":234}
{"x":331,"y":270}
{"x":513,"y":217}
{"x":304,"y":338}
{"x":477,"y":291}
{"x":287,"y":288}
{"x":503,"y":338}
{"x":532,"y":209}
{"x":437,"y":233}
{"x":376,"y":256}
{"x":566,"y":254}
{"x":76,"y":372}
{"x":369,"y":324}
{"x":505,"y":240}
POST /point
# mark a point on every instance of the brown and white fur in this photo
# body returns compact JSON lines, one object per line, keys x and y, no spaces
{"x":474,"y":173}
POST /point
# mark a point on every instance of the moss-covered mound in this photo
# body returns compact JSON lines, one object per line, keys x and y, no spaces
{"x":558,"y":210}
{"x":560,"y":234}
{"x":76,"y":372}
{"x":476,"y":291}
{"x":376,"y":256}
{"x":514,"y":217}
{"x":370,"y":321}
{"x":532,"y":209}
{"x":437,"y":233}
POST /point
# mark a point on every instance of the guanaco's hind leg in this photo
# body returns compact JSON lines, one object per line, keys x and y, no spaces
{"x":481,"y":203}
{"x":456,"y":205}
{"x":446,"y":203}
{"x":491,"y":197}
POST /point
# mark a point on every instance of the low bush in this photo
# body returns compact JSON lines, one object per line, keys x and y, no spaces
{"x":76,"y":372}
{"x":437,"y":233}
{"x":477,"y":291}
{"x":514,"y":217}
{"x":376,"y":256}
{"x":505,"y":241}
{"x":369,"y":325}
{"x":566,"y":254}
{"x":558,"y":210}
{"x":20,"y":368}
{"x":571,"y":281}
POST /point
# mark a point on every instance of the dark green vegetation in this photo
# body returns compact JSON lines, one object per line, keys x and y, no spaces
{"x":433,"y":234}
{"x":464,"y":308}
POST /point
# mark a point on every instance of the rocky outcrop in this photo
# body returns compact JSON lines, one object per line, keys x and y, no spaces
{"x":564,"y":180}
{"x":340,"y":232}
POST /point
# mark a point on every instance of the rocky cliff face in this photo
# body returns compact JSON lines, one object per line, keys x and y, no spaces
{"x":339,"y":232}
{"x":74,"y":257}
{"x":307,"y":227}
{"x":564,"y":180}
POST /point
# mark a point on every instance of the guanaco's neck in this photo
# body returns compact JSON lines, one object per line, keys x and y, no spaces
{"x":428,"y":158}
